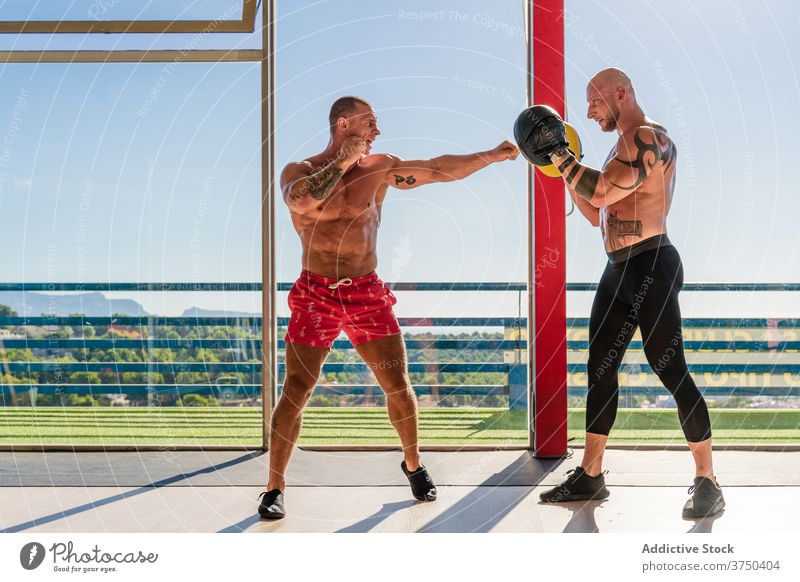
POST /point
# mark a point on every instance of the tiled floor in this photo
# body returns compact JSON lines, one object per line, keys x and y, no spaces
{"x":496,"y":492}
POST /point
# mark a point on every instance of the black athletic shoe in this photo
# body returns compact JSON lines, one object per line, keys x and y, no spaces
{"x":422,"y":486}
{"x":707,"y":499}
{"x":577,"y":487}
{"x":271,"y":507}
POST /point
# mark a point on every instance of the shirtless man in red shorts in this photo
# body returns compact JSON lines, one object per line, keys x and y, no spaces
{"x":335,"y":200}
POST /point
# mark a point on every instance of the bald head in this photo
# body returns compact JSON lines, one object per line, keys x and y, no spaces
{"x":611,"y":79}
{"x":609,"y":95}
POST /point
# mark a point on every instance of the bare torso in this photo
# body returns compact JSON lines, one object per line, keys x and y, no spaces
{"x":340,"y":237}
{"x":643,"y":214}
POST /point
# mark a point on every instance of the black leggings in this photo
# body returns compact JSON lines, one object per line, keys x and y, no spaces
{"x":641,"y":292}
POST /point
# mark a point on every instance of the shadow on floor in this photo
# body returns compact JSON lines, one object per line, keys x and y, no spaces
{"x":474,"y":515}
{"x":582,"y":520}
{"x":242,"y":526}
{"x":705,"y":524}
{"x":127,"y":494}
{"x":368,"y":523}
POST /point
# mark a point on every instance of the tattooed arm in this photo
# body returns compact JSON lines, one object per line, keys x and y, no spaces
{"x":304,"y":190}
{"x":638,"y":153}
{"x":410,"y":174}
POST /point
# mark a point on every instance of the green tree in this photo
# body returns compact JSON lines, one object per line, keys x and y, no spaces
{"x":192,"y":400}
{"x":84,"y":378}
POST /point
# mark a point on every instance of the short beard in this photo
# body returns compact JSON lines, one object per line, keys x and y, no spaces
{"x":612,"y":120}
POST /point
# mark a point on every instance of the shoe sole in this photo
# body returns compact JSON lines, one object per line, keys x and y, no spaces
{"x":715,"y":511}
{"x":599,"y":496}
{"x":272,"y":516}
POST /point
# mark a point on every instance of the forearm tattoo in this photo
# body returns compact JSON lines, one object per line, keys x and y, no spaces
{"x":586,"y":185}
{"x":562,"y":167}
{"x":647,"y":156}
{"x":320,"y":185}
{"x":570,"y":177}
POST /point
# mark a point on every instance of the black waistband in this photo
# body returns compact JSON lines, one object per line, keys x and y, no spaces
{"x":648,"y":244}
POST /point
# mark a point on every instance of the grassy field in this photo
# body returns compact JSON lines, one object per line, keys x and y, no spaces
{"x":452,"y":426}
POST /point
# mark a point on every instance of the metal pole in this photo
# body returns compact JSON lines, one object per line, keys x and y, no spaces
{"x":269,"y":344}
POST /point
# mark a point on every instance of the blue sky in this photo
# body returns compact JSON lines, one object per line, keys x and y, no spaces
{"x":173,"y":188}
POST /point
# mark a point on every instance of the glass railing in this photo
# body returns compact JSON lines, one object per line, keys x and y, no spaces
{"x":151,"y":381}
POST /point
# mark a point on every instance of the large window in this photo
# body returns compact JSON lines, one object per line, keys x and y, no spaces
{"x":715,"y":74}
{"x":444,"y":78}
{"x":119,"y":183}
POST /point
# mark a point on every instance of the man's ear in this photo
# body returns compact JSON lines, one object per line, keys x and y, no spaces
{"x":341,"y":123}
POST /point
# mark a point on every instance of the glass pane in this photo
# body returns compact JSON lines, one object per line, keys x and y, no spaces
{"x":116,"y":173}
{"x":81,"y":10}
{"x":730,"y":221}
{"x":452,"y":84}
{"x":90,"y":11}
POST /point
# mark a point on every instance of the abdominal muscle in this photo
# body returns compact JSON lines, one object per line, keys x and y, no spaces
{"x":340,"y":248}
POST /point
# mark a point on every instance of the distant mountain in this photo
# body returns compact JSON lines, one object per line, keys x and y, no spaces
{"x":198,"y":312}
{"x":32,"y":304}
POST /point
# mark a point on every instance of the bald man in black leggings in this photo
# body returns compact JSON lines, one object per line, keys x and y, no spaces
{"x":629,"y":200}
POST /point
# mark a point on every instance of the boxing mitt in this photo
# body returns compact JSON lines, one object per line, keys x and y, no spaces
{"x":539,"y":131}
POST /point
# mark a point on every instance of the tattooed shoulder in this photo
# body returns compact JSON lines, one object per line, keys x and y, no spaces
{"x":650,"y":147}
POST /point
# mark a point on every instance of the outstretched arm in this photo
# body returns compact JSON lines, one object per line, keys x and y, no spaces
{"x":638,"y":154}
{"x":406,"y":174}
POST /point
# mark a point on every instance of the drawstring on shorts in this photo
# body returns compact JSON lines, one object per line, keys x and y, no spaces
{"x":347,"y":281}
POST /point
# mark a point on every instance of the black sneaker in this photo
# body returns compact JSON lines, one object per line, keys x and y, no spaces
{"x":707,"y":499}
{"x":271,"y":507}
{"x":422,"y":486}
{"x":577,"y":487}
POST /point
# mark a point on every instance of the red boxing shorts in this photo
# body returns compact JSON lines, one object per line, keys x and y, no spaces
{"x":323,"y":307}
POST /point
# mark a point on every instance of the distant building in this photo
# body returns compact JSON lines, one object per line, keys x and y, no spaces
{"x":8,"y":334}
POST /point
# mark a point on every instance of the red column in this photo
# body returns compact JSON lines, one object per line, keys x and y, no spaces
{"x":549,"y":245}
